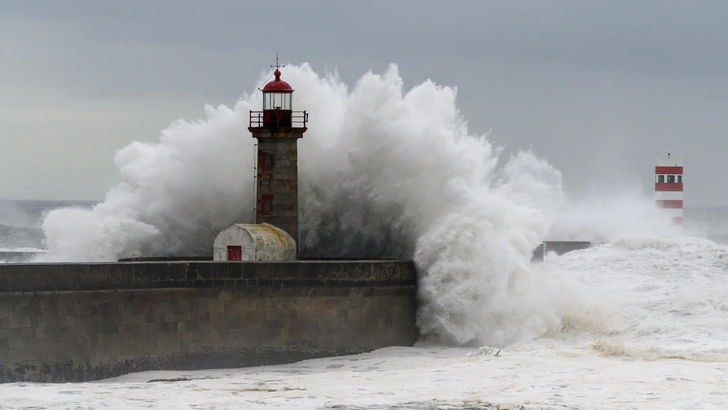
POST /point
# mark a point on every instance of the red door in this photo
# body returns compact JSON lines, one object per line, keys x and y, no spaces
{"x":235,"y":253}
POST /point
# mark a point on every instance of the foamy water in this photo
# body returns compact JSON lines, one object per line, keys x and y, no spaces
{"x":22,"y":250}
{"x":660,"y":296}
{"x":653,"y":335}
{"x":423,"y":377}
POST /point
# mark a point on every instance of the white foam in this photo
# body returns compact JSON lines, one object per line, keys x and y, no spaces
{"x":21,"y":250}
{"x":413,"y":378}
{"x":668,"y":295}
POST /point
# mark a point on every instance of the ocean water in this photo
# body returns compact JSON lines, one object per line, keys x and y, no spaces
{"x":636,"y":322}
{"x":652,"y":334}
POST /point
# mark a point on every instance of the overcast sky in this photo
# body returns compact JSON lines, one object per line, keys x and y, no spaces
{"x":600,"y":88}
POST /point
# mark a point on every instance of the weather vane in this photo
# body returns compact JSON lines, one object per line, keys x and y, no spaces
{"x":276,"y":73}
{"x":277,"y":66}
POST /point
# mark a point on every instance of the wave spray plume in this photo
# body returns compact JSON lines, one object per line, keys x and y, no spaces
{"x":383,"y":173}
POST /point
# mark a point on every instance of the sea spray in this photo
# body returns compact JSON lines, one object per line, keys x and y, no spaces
{"x":383,"y":173}
{"x":173,"y":197}
{"x":610,"y":214}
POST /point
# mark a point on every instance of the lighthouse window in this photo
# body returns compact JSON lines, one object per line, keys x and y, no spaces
{"x":679,"y":179}
{"x":671,"y":178}
{"x":266,"y":204}
{"x":660,"y":179}
{"x":266,"y":161}
{"x":277,"y":101}
{"x":268,"y":101}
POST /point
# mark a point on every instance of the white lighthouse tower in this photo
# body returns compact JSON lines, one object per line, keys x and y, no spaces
{"x":669,"y":187}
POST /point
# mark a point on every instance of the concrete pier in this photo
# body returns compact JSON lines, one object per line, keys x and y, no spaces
{"x":78,"y":322}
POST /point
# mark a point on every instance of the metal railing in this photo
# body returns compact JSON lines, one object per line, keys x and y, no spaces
{"x":278,"y":119}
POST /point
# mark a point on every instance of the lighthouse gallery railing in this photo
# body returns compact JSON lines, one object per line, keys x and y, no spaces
{"x":278,"y":118}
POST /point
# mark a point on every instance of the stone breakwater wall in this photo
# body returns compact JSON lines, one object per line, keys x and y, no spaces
{"x":79,"y":322}
{"x":559,"y":247}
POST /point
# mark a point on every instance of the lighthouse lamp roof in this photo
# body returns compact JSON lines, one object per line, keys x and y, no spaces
{"x":277,"y":85}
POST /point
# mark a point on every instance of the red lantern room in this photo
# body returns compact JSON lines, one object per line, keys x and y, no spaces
{"x":278,"y":106}
{"x":277,"y":94}
{"x":277,"y":102}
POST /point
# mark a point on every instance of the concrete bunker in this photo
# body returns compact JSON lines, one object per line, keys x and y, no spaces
{"x":254,"y":242}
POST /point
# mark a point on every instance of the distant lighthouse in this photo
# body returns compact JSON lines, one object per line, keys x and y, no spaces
{"x":669,"y":187}
{"x":277,"y":128}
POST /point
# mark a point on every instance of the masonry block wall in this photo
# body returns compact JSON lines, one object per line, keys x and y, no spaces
{"x":277,"y":179}
{"x":76,"y":322}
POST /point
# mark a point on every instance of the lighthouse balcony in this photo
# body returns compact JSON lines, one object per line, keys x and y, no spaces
{"x":278,"y":119}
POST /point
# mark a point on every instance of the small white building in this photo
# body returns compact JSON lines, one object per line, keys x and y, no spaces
{"x":248,"y":242}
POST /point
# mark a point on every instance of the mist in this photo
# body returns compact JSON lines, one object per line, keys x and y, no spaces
{"x":13,"y":215}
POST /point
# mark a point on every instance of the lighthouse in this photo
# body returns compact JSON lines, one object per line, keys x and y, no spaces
{"x":669,"y":187}
{"x":277,"y":128}
{"x":273,"y":236}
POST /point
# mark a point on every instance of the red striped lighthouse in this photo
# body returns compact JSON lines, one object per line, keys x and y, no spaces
{"x":669,"y":187}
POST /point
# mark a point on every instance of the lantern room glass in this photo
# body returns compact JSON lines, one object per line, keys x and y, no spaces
{"x":277,"y":101}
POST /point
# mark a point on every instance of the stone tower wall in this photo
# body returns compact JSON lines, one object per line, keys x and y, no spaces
{"x":277,"y":179}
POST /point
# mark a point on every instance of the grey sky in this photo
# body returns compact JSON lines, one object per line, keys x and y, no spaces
{"x":600,"y":88}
